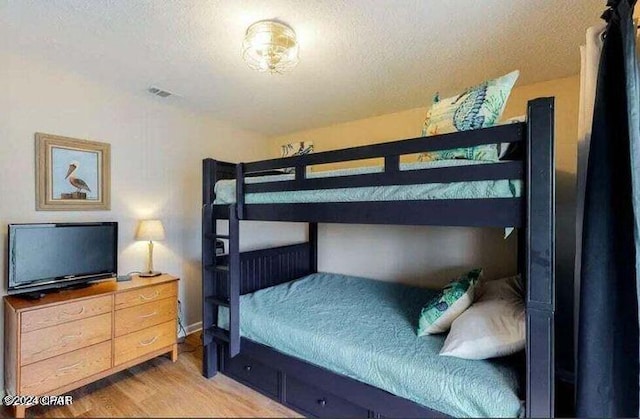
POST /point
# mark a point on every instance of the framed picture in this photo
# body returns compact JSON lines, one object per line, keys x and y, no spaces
{"x":72,"y":174}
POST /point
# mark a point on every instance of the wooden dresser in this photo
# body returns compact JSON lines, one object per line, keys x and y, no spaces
{"x":71,"y":338}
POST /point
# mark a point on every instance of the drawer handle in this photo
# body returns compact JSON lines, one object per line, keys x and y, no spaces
{"x":77,"y":364}
{"x":322,"y":402}
{"x":148,"y":315}
{"x":148,"y":342}
{"x":71,"y":336}
{"x":144,"y":297}
{"x":66,"y":313}
{"x":248,"y":368}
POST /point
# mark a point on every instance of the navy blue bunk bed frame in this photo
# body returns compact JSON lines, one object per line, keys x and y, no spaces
{"x":316,"y":391}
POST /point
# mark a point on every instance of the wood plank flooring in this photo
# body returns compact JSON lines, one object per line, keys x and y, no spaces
{"x":160,"y":388}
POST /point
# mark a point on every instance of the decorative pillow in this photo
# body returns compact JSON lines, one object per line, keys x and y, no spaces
{"x":478,"y":107}
{"x":295,"y":149}
{"x":438,"y":314}
{"x":493,"y":326}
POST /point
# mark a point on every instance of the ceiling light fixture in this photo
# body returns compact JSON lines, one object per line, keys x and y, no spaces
{"x":270,"y":47}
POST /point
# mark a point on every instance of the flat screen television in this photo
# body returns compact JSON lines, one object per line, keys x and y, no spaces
{"x":46,"y":256}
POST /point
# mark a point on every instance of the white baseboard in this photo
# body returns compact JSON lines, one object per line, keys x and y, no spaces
{"x":194,"y":327}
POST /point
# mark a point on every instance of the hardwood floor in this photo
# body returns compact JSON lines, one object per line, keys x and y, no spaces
{"x":160,"y":388}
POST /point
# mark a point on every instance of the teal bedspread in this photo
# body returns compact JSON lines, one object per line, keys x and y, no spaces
{"x":365,"y":329}
{"x":225,"y":190}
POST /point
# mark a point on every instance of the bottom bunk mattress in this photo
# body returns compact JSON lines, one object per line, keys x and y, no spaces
{"x":365,"y":329}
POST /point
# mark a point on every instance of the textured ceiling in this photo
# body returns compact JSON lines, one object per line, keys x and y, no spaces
{"x":358,"y":58}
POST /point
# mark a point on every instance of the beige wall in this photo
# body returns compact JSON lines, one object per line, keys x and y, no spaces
{"x":156,"y":164}
{"x":408,"y":124}
{"x":567,"y":94}
{"x":430,"y":255}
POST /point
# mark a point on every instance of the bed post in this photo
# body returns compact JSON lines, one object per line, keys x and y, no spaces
{"x":240,"y":190}
{"x":313,"y":247}
{"x":209,"y":316}
{"x":539,"y":255}
{"x":234,"y":278}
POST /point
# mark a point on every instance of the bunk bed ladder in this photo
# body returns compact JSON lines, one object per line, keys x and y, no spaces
{"x":233,"y":277}
{"x":225,"y":291}
{"x":209,"y":278}
{"x":220,"y":277}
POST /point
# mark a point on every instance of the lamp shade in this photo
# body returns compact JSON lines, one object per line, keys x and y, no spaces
{"x":150,"y":230}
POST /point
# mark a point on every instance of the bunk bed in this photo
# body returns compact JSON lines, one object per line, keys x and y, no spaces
{"x":286,"y":277}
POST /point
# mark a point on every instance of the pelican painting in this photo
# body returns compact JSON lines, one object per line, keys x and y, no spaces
{"x":76,"y":182}
{"x":75,"y":174}
{"x":72,"y":174}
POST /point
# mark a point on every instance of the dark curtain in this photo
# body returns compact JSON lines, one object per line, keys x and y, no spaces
{"x":607,"y":364}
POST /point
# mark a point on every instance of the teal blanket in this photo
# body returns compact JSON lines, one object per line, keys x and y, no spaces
{"x":365,"y":329}
{"x":225,"y":190}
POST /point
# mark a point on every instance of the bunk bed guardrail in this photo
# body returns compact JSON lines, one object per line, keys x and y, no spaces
{"x":496,"y":212}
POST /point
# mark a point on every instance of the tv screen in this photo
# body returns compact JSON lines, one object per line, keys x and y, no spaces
{"x":52,"y":255}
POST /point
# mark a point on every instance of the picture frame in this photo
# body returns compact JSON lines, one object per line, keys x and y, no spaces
{"x":72,"y":174}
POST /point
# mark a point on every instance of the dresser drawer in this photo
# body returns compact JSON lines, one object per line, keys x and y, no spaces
{"x":51,"y":316}
{"x":253,"y":373}
{"x":44,"y":376}
{"x":140,"y":343}
{"x":142,"y":316}
{"x":56,"y":340}
{"x":318,"y":402}
{"x":146,"y":295}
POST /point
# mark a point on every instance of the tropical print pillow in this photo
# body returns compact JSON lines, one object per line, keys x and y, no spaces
{"x":478,"y":107}
{"x":438,"y":314}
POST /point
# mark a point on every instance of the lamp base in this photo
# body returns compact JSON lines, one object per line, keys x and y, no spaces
{"x":149,"y":274}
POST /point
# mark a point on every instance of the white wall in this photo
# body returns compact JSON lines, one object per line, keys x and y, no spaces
{"x":156,"y":149}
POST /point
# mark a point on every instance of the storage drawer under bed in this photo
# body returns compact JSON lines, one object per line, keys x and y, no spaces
{"x":314,"y":393}
{"x":303,"y":397}
{"x":319,"y":403}
{"x":253,"y":373}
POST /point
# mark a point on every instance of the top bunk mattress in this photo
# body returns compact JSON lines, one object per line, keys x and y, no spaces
{"x":365,"y":329}
{"x":225,"y":190}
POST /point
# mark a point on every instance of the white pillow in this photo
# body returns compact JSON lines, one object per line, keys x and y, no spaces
{"x":493,"y":326}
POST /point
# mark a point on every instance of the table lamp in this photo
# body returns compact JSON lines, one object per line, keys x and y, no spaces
{"x":150,"y":230}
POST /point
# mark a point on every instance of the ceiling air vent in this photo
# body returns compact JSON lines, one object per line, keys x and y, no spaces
{"x":159,"y":92}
